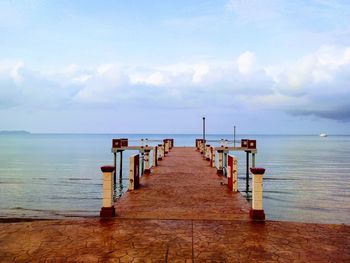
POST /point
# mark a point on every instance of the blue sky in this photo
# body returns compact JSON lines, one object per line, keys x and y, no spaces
{"x":158,"y":66}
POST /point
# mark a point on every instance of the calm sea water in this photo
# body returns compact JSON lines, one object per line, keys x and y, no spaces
{"x":58,"y":176}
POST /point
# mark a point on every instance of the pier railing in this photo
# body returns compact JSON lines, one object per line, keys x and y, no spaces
{"x":139,"y":164}
{"x":227,"y":165}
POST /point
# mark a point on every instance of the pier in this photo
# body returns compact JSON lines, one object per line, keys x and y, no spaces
{"x":180,"y":210}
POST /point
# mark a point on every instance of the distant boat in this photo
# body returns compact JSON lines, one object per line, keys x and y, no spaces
{"x":323,"y":135}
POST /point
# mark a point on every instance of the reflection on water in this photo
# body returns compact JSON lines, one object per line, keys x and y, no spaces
{"x":57,"y":176}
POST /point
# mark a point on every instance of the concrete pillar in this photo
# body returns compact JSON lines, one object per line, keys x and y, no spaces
{"x":160,"y":152}
{"x":134,"y":172}
{"x":166,"y":146}
{"x":220,"y":164}
{"x":207,"y":152}
{"x":257,"y":211}
{"x":212,"y":157}
{"x":232,"y":178}
{"x":201,"y":149}
{"x":107,"y":209}
{"x":146,"y":159}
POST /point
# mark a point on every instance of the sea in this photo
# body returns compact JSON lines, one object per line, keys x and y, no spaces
{"x":55,"y":176}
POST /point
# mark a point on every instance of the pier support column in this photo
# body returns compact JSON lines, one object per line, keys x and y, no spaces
{"x":134,"y":172}
{"x":107,"y":209}
{"x":257,"y":211}
{"x":146,"y":158}
{"x":220,"y":164}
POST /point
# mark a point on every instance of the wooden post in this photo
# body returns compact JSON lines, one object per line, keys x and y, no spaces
{"x":107,"y":209}
{"x":257,"y":211}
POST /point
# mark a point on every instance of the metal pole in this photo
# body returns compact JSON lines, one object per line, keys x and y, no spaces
{"x":204,"y":135}
{"x":234,"y":136}
{"x":247,"y":173}
{"x":253,"y":159}
{"x":115,"y":167}
{"x":121,"y":165}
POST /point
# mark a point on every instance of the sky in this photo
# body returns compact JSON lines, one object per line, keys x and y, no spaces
{"x":266,"y":66}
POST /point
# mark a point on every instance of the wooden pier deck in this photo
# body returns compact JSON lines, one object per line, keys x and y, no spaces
{"x":183,"y":186}
{"x":181,"y":213}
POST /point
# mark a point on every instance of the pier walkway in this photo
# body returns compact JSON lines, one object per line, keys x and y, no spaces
{"x":183,"y":186}
{"x":181,"y":213}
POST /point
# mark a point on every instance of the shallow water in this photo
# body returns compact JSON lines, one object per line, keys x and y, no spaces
{"x":58,"y":175}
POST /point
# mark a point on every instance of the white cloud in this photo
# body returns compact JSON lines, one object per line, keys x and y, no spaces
{"x":246,"y":62}
{"x":317,"y":83}
{"x":200,"y":71}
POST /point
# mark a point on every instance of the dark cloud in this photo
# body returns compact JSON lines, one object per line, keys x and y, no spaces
{"x":340,"y":114}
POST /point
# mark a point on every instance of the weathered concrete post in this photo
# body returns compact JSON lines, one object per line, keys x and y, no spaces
{"x":257,"y":211}
{"x":134,"y":172}
{"x":146,"y":159}
{"x":220,"y":164}
{"x":207,"y":152}
{"x":160,"y":152}
{"x":232,"y":174}
{"x":155,"y":156}
{"x":107,"y":209}
{"x":166,"y":146}
{"x":213,"y":157}
{"x":201,"y":146}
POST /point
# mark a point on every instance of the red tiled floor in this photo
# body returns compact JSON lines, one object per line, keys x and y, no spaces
{"x":183,"y":186}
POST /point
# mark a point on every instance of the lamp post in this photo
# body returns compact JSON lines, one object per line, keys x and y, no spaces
{"x":204,"y":135}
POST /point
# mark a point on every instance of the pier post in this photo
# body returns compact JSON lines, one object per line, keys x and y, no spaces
{"x":107,"y":209}
{"x":207,"y":152}
{"x":166,"y":146}
{"x":232,"y":178}
{"x":220,"y":165}
{"x":160,"y":152}
{"x":257,"y":211}
{"x":146,"y":158}
{"x":134,"y":172}
{"x":213,"y":157}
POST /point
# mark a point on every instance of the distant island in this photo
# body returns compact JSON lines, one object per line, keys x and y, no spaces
{"x":14,"y":132}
